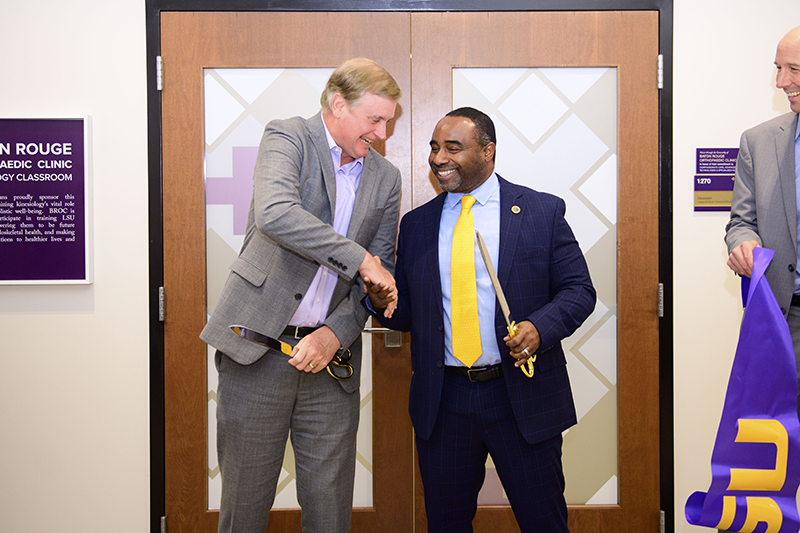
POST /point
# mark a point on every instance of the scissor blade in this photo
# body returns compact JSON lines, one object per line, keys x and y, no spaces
{"x":501,"y":297}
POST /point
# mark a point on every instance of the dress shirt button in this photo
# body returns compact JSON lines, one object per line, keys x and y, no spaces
{"x":298,"y":296}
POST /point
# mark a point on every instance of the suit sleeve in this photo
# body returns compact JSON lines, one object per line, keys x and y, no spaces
{"x":348,"y":318}
{"x":283,"y":214}
{"x":572,"y":295}
{"x":401,"y":319}
{"x":743,"y":225}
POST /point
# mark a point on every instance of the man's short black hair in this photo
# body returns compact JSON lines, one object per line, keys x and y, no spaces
{"x":484,"y":127}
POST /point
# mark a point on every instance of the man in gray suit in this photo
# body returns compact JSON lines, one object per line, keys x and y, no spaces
{"x":323,"y":217}
{"x":765,"y":206}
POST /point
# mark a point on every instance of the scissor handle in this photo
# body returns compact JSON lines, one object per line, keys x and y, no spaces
{"x":527,"y":368}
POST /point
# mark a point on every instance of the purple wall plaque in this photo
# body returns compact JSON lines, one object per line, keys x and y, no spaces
{"x":713,"y":184}
{"x":713,"y":193}
{"x":45,"y":231}
{"x":717,"y":160}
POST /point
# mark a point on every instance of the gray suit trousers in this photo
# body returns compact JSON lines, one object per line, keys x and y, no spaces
{"x":793,"y":317}
{"x":258,"y":406}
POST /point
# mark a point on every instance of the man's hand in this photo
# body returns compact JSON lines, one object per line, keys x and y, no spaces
{"x":315,"y":350}
{"x":741,"y":258}
{"x":381,"y":297}
{"x":379,"y":285}
{"x":525,"y":342}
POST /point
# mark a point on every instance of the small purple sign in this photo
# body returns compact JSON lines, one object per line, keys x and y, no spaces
{"x":713,"y":184}
{"x":717,"y":160}
{"x":713,"y":193}
{"x":44,"y":201}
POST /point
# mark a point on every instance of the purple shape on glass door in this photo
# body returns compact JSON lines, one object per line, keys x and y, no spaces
{"x":236,"y":190}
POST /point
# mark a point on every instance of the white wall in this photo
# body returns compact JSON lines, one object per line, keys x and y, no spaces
{"x":74,"y":451}
{"x":74,"y":444}
{"x":724,"y":83}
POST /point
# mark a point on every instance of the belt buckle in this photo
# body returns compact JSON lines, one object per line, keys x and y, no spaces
{"x":296,"y":332}
{"x":476,"y":372}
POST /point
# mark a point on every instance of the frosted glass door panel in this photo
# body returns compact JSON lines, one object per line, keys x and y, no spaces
{"x":557,"y":133}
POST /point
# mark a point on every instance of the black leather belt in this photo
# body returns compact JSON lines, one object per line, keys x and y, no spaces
{"x":298,"y":332}
{"x":795,"y":299}
{"x":339,"y":367}
{"x":478,"y":374}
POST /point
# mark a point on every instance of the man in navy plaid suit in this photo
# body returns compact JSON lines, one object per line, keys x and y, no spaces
{"x":461,"y":413}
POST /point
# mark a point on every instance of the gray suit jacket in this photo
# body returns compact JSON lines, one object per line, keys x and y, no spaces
{"x":289,"y":235}
{"x":764,"y":207}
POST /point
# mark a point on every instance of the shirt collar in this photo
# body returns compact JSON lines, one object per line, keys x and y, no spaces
{"x":797,"y":130}
{"x":481,"y":194}
{"x":335,"y":150}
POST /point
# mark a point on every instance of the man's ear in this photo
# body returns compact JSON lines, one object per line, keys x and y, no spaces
{"x":338,"y":105}
{"x":488,"y":152}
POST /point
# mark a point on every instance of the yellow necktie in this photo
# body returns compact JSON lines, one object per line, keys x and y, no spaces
{"x":463,"y":290}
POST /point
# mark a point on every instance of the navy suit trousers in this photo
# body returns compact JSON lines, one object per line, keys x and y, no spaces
{"x":475,"y":419}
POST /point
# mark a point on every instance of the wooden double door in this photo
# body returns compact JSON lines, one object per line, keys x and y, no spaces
{"x":420,"y":50}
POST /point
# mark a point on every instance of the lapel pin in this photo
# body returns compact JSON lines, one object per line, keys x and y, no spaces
{"x":515,"y":209}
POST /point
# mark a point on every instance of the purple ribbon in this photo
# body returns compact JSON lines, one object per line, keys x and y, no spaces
{"x":755,"y":464}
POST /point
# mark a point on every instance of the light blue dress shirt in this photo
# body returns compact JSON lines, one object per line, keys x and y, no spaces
{"x":314,"y":307}
{"x":486,"y":213}
{"x":797,"y":193}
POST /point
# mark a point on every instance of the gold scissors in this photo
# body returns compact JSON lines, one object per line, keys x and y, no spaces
{"x":339,"y":367}
{"x":513,"y":329}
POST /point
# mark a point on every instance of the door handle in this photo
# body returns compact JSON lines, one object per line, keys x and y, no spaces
{"x":391,"y":338}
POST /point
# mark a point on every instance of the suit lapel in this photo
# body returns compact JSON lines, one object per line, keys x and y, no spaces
{"x":317,"y":133}
{"x":430,"y":229}
{"x":784,"y":148}
{"x":364,"y":194}
{"x":510,"y":222}
{"x":366,"y":185}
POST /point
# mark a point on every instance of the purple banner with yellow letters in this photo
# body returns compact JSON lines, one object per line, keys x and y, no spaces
{"x":754,"y":465}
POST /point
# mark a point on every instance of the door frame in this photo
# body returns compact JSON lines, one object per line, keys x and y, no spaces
{"x":155,"y":203}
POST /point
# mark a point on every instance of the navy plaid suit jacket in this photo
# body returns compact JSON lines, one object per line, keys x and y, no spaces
{"x":545,"y":279}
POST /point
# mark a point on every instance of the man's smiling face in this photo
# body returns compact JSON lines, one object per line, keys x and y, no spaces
{"x":457,"y":159}
{"x":787,"y":61}
{"x":359,"y":126}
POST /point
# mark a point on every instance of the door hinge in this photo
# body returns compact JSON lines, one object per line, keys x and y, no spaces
{"x":163,"y":524}
{"x":159,"y":74}
{"x":161,"y":311}
{"x":662,"y":523}
{"x":660,"y":71}
{"x":660,"y":300}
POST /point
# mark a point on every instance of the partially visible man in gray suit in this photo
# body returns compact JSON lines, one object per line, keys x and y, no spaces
{"x":765,"y":204}
{"x":323,"y":216}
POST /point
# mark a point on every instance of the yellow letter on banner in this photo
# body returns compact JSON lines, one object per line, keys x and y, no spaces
{"x":762,"y":431}
{"x":761,"y":509}
{"x":728,"y":513}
